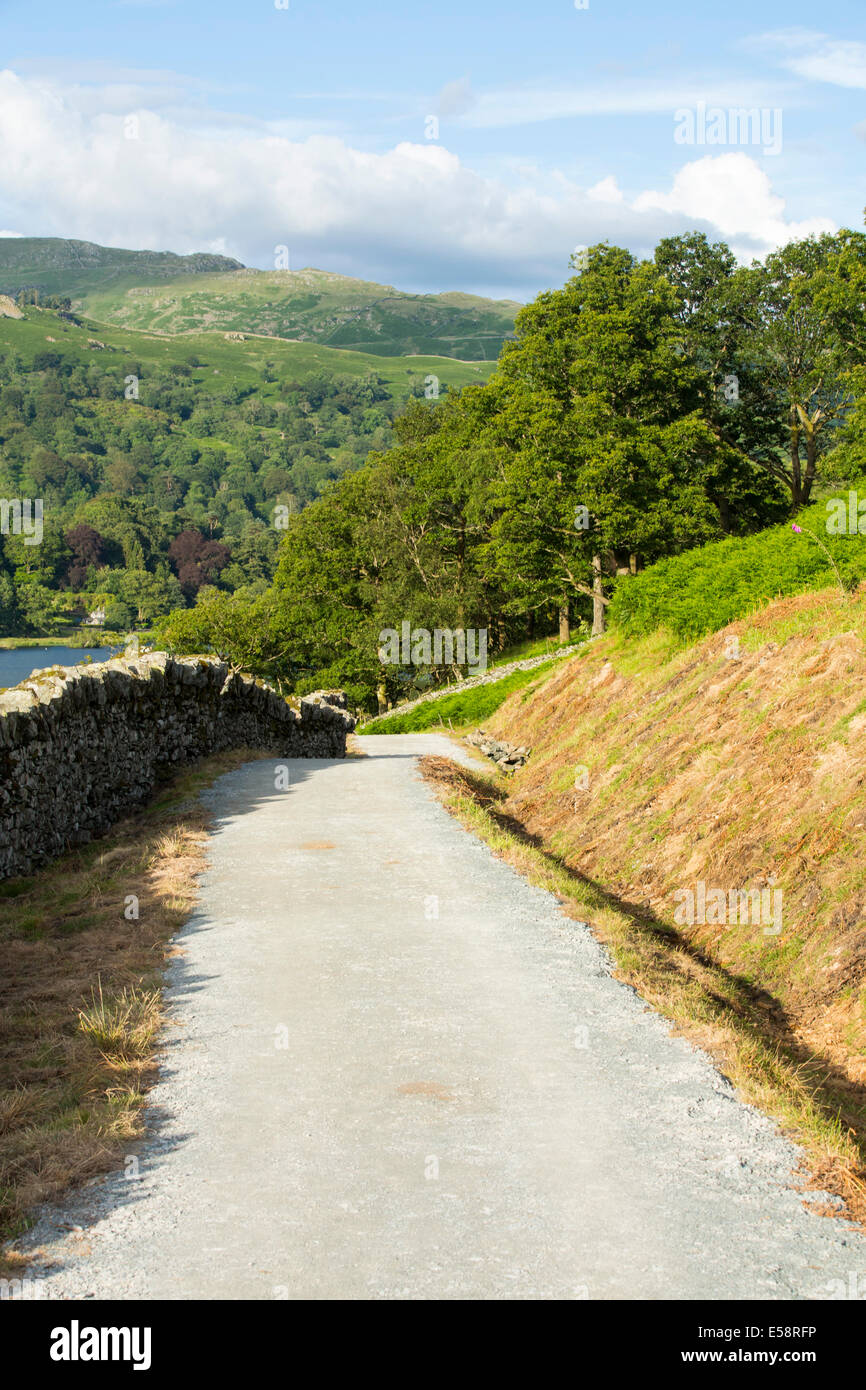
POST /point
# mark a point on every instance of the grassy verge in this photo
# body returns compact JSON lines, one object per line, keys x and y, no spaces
{"x":83,"y":943}
{"x":461,"y":709}
{"x":739,"y":1024}
{"x":536,"y":646}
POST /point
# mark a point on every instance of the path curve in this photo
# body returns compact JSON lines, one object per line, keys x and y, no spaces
{"x":364,"y":1099}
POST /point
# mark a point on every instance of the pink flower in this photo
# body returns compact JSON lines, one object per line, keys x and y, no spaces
{"x":798,"y":529}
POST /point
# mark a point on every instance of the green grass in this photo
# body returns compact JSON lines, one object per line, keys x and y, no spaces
{"x":123,"y":1028}
{"x":703,"y":590}
{"x":69,"y":637}
{"x":462,"y":708}
{"x":313,"y":305}
{"x":241,"y":364}
{"x":524,"y":651}
{"x":160,"y":293}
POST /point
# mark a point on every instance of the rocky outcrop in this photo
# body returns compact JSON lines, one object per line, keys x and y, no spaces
{"x":506,"y":756}
{"x":82,"y":746}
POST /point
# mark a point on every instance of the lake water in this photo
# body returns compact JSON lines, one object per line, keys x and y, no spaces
{"x":21,"y":662}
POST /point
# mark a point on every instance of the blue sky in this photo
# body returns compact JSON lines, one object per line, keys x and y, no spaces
{"x":185,"y":125}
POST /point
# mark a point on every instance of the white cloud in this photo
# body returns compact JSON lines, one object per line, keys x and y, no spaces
{"x":11,"y":233}
{"x":606,"y":191}
{"x":413,"y":215}
{"x":735,"y":195}
{"x":816,"y":56}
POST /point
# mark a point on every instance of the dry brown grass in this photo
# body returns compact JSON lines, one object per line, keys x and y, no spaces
{"x":736,"y":1023}
{"x":80,"y":1003}
{"x":733,"y":772}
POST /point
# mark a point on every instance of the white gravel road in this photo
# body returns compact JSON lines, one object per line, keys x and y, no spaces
{"x":397,"y":1071}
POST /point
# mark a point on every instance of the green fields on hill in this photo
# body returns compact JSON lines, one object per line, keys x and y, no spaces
{"x":244,"y":362}
{"x":162,"y":293}
{"x":313,"y":306}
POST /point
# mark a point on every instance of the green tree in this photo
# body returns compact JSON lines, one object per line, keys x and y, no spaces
{"x":804,"y":308}
{"x":118,"y":617}
{"x":150,"y":596}
{"x":603,"y":454}
{"x":244,"y":634}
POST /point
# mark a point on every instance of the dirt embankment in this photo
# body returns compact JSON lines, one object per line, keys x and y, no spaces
{"x":739,"y":764}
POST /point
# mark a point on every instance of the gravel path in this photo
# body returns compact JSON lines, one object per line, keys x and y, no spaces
{"x":362,"y":1099}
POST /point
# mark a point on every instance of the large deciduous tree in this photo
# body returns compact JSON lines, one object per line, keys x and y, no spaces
{"x":88,"y":550}
{"x":803,"y":309}
{"x":602,"y":451}
{"x":197,"y":561}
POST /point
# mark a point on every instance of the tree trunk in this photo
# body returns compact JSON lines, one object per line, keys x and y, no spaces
{"x":811,"y":464}
{"x":564,"y":623}
{"x":796,"y":476}
{"x":597,"y":604}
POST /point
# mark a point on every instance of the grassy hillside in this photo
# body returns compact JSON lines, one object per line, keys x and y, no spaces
{"x":655,"y":769}
{"x":313,"y":306}
{"x":159,"y":292}
{"x":701,"y":590}
{"x":57,"y":266}
{"x":214,"y":437}
{"x":243,"y":362}
{"x":734,"y":770}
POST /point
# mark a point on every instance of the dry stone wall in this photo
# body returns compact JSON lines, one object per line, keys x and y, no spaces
{"x":83,"y":746}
